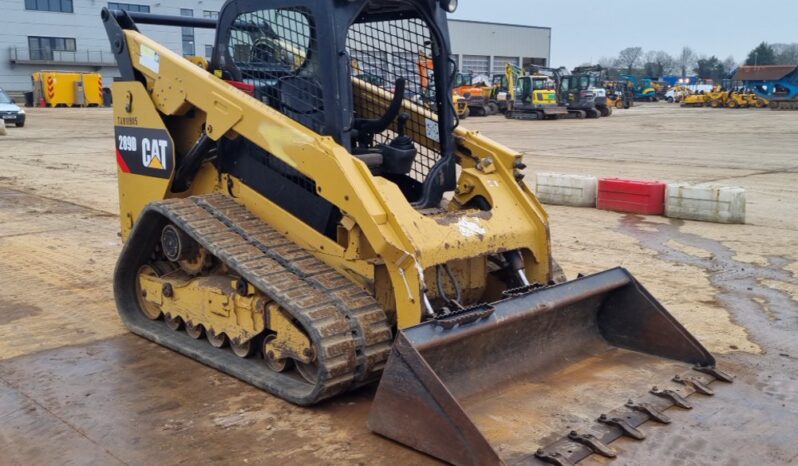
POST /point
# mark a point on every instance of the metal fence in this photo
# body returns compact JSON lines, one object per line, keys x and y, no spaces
{"x":23,"y":55}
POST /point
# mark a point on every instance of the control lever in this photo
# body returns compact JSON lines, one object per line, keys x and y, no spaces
{"x":379,"y":125}
{"x":401,"y":122}
{"x":400,"y":153}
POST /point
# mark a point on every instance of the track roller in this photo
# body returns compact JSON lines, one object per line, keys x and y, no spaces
{"x":174,"y":323}
{"x":217,"y":340}
{"x":195,"y":331}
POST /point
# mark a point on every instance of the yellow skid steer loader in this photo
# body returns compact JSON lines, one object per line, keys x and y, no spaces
{"x":311,"y":228}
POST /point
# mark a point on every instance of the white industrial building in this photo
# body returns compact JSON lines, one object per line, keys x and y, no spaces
{"x":484,"y":48}
{"x":69,"y":35}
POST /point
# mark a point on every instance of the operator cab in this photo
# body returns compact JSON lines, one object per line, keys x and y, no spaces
{"x":371,"y":84}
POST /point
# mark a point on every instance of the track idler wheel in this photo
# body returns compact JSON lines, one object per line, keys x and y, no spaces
{"x":151,"y":310}
{"x":274,"y":363}
{"x":179,"y":248}
{"x":309,"y":372}
{"x":176,"y":244}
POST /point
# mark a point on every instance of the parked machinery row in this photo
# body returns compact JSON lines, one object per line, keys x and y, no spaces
{"x":538,"y":93}
{"x":722,"y":98}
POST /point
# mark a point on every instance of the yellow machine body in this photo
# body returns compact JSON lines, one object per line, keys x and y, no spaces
{"x":384,"y":227}
{"x":737,"y":100}
{"x":694,"y":100}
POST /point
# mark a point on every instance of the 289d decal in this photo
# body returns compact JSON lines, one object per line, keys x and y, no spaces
{"x":144,"y":151}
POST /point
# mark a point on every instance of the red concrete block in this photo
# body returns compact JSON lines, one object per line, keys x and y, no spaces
{"x":635,"y":196}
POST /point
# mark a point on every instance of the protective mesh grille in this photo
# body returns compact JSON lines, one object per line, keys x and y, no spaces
{"x":382,"y":52}
{"x":275,"y":50}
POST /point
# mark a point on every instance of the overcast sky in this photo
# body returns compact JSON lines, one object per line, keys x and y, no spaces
{"x":586,"y":30}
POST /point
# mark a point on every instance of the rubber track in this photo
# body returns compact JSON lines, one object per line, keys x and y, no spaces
{"x":349,"y":330}
{"x":521,"y":115}
{"x":367,"y":320}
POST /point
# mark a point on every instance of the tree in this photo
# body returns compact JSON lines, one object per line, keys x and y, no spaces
{"x":729,"y":65}
{"x":763,"y":54}
{"x":786,"y":54}
{"x":629,"y":57}
{"x":710,"y":68}
{"x":607,"y":62}
{"x":658,"y":63}
{"x":685,"y":60}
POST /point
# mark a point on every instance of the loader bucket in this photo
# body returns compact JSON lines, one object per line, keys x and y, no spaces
{"x":544,"y":363}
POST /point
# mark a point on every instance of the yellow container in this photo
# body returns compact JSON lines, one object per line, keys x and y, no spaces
{"x":93,"y":89}
{"x":68,"y":89}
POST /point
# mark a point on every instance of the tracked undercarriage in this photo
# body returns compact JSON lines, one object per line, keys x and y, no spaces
{"x":295,"y":326}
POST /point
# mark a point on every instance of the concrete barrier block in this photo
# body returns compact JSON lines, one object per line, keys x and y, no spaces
{"x":570,"y":190}
{"x":708,"y":203}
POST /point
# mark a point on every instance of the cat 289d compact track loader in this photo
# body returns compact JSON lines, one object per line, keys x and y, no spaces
{"x":310,"y":231}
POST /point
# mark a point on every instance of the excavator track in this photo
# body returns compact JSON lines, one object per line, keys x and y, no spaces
{"x":349,"y":331}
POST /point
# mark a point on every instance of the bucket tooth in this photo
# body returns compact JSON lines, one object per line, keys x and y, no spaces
{"x":650,"y":410}
{"x":714,"y":372}
{"x":493,"y":387}
{"x":593,"y":443}
{"x":695,"y":383}
{"x":674,"y":397}
{"x":627,"y":429}
{"x":556,"y":458}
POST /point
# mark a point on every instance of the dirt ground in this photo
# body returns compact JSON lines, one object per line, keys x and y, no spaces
{"x":77,"y":388}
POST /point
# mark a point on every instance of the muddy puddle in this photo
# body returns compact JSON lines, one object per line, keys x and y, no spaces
{"x":768,"y":313}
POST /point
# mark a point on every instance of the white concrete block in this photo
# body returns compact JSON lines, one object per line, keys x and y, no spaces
{"x":571,"y":190}
{"x":708,"y":203}
{"x":2,"y":128}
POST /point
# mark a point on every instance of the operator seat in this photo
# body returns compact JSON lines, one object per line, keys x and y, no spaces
{"x":302,"y":100}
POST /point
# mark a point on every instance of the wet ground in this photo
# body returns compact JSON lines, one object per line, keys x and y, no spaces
{"x":76,"y":388}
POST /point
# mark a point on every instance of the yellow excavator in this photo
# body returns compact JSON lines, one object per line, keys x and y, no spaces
{"x":295,"y":225}
{"x":531,"y":97}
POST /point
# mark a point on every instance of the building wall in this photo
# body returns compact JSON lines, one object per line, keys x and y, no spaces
{"x":477,"y":46}
{"x":86,"y":27}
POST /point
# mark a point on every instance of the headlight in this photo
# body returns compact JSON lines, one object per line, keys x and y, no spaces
{"x":449,"y":5}
{"x":21,"y":112}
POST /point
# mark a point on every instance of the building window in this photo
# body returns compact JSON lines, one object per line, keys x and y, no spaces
{"x":534,"y":61}
{"x":477,"y":64}
{"x":188,"y":34}
{"x":62,"y":6}
{"x":42,"y":48}
{"x":208,"y":51}
{"x":500,"y":63}
{"x":210,"y":14}
{"x":129,"y":7}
